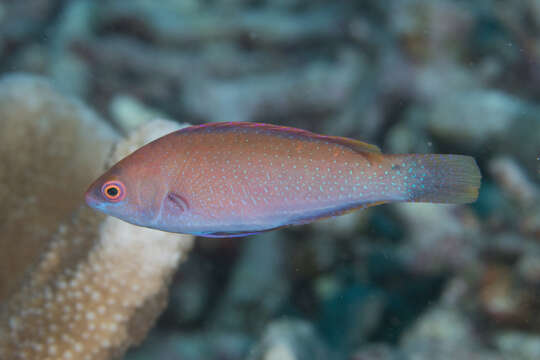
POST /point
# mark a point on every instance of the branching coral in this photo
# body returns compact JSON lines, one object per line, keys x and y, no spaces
{"x":99,"y":283}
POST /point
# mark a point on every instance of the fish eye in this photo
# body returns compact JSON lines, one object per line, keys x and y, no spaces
{"x":113,"y":190}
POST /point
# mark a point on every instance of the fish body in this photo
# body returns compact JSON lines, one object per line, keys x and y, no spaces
{"x":233,"y":179}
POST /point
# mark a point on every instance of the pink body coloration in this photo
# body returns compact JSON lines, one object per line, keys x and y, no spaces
{"x":229,"y":179}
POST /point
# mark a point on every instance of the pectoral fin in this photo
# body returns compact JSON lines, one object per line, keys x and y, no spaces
{"x":175,"y":204}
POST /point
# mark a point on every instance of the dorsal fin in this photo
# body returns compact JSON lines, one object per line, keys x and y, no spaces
{"x":356,"y":145}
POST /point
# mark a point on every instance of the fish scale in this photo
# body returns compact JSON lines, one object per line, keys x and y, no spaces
{"x":240,"y":178}
{"x":286,"y":182}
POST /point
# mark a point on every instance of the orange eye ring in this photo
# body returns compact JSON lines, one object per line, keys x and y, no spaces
{"x":113,"y":190}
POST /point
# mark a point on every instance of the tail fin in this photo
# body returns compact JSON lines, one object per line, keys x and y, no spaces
{"x":451,"y":179}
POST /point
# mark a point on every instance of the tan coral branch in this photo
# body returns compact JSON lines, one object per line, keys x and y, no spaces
{"x":85,"y":310}
{"x":99,"y":283}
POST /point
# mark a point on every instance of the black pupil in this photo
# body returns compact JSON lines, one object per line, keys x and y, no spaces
{"x":112,"y":191}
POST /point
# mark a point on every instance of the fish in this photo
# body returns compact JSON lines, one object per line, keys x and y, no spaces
{"x":241,"y":178}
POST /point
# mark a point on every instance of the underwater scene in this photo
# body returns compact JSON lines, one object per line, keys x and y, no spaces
{"x":348,"y":180}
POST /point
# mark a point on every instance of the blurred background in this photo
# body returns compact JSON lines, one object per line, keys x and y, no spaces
{"x":404,"y":281}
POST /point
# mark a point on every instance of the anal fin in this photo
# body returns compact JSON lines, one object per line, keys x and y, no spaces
{"x":328,"y":213}
{"x":230,"y":234}
{"x":299,"y":220}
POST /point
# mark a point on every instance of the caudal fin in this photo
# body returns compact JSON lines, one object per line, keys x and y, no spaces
{"x":451,"y":179}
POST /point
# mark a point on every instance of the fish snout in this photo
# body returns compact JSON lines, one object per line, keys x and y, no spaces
{"x":92,"y":199}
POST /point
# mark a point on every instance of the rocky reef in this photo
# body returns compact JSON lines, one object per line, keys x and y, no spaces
{"x":404,"y":281}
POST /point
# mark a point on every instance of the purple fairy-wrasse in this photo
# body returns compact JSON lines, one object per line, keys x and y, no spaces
{"x":235,"y":179}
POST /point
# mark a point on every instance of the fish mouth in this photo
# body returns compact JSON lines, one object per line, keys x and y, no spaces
{"x":91,"y":199}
